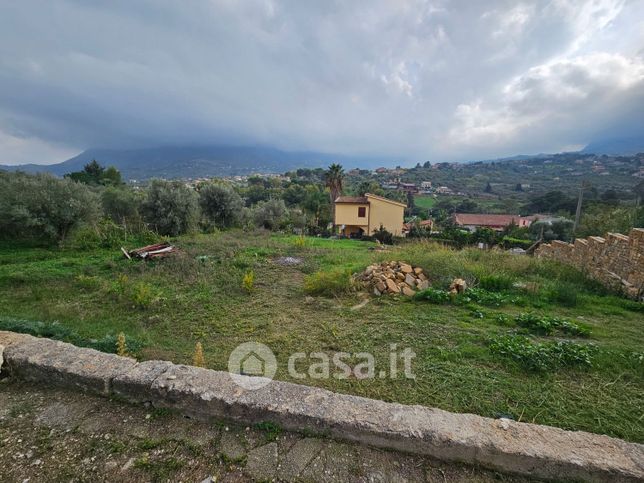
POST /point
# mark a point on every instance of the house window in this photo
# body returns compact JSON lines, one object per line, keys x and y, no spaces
{"x":362,"y":211}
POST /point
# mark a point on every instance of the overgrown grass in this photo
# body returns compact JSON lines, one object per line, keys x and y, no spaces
{"x":198,"y":296}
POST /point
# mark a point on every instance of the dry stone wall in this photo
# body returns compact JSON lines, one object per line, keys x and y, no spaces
{"x":615,"y":260}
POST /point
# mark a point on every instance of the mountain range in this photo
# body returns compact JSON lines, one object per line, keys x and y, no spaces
{"x":201,"y":161}
{"x":222,"y":160}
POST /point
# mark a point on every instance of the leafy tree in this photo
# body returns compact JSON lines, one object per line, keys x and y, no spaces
{"x":316,"y":202}
{"x":43,"y":207}
{"x":518,"y":187}
{"x":121,"y":205}
{"x":488,"y":188}
{"x":170,"y":207}
{"x":551,"y":202}
{"x":220,"y":204}
{"x":95,"y":174}
{"x":294,"y":194}
{"x":270,"y":214}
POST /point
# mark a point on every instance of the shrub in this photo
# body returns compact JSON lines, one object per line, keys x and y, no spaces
{"x":270,"y":214}
{"x":496,"y":282}
{"x":170,"y":207}
{"x":142,"y":295}
{"x":42,"y":207}
{"x":563,"y":294}
{"x":542,"y":357}
{"x":107,"y":234}
{"x":121,"y":205}
{"x":328,"y":283}
{"x":248,"y":282}
{"x":220,"y":204}
{"x":383,"y":236}
{"x":433,"y":295}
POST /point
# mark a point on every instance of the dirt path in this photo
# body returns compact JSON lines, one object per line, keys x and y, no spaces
{"x":55,"y":435}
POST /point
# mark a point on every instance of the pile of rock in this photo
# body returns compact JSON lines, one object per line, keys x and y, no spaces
{"x":394,"y":278}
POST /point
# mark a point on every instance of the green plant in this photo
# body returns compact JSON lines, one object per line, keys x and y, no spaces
{"x":328,"y":283}
{"x":433,"y":295}
{"x":142,"y":295}
{"x":271,"y":429}
{"x":299,"y":242}
{"x":545,"y":325}
{"x":496,"y":282}
{"x":248,"y":282}
{"x":564,"y":294}
{"x":542,"y":357}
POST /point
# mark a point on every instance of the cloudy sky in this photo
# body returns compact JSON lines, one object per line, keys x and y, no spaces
{"x":437,"y":80}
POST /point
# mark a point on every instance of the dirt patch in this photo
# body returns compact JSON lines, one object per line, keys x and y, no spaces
{"x":52,"y":435}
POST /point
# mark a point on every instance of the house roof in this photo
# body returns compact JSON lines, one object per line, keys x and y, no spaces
{"x":361,"y":200}
{"x":386,"y":200}
{"x":489,"y":220}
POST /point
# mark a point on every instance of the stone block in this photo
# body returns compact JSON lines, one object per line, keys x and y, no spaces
{"x":53,"y":362}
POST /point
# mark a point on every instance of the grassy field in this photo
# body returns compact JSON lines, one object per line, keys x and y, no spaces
{"x":424,"y":201}
{"x":165,"y":307}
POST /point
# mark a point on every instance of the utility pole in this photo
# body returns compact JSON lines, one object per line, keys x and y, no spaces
{"x":582,"y":186}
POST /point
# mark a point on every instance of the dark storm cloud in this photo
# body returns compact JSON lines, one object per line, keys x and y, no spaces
{"x":426,"y":80}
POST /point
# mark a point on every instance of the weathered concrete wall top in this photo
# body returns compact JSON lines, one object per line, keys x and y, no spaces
{"x":615,"y":260}
{"x":504,"y":445}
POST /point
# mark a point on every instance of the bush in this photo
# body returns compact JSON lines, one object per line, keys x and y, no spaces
{"x":496,"y":282}
{"x":42,"y":207}
{"x":271,"y":214}
{"x":563,"y":294}
{"x":220,"y":204}
{"x":142,"y":295}
{"x":107,"y":234}
{"x":170,"y":207}
{"x":121,"y":205}
{"x":329,"y":283}
{"x":542,"y":357}
{"x":383,"y":236}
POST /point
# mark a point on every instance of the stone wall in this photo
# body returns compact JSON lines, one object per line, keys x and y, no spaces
{"x":615,"y":260}
{"x":500,"y":444}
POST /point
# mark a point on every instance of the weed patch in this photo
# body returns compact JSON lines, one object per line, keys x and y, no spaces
{"x":543,"y":356}
{"x":546,"y":325}
{"x":328,"y":283}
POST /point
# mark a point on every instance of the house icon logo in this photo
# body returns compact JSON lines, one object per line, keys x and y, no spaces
{"x":252,"y":365}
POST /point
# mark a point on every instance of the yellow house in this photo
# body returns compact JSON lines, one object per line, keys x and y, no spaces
{"x":357,"y":215}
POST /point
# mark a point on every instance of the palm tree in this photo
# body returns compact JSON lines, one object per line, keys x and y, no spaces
{"x":333,"y":178}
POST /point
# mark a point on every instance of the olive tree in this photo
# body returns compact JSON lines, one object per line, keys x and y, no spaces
{"x":170,"y":207}
{"x":44,"y":207}
{"x":220,"y":204}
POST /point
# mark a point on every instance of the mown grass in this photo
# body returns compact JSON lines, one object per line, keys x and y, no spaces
{"x":169,"y":305}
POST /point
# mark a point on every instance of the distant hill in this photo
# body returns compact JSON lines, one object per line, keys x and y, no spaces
{"x":204,"y":161}
{"x":623,"y":147}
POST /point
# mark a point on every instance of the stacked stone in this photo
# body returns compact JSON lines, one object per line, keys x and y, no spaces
{"x":616,"y":260}
{"x":394,"y":278}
